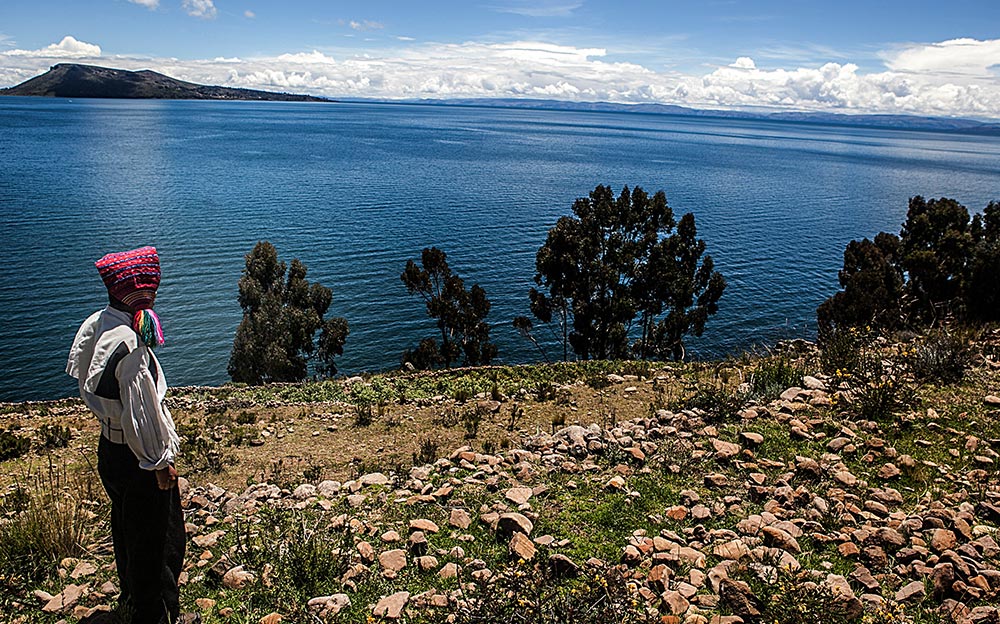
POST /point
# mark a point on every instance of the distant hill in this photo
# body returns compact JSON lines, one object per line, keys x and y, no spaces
{"x":900,"y":122}
{"x":90,"y":81}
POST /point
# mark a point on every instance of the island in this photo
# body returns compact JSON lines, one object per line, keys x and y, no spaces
{"x":71,"y":80}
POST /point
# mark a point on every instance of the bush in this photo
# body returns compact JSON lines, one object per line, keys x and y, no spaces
{"x":772,"y":376}
{"x":50,"y":519}
{"x":841,"y":349}
{"x":878,"y":391}
{"x":55,"y":436}
{"x":718,"y":403}
{"x":941,"y":356}
{"x":536,"y":594}
{"x":12,"y":445}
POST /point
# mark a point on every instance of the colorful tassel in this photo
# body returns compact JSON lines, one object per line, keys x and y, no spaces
{"x":147,"y":325}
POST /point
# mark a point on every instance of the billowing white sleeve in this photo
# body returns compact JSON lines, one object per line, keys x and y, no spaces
{"x":148,"y":426}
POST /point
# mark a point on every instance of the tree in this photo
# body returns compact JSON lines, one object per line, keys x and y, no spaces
{"x":459,"y":313}
{"x":936,"y":249}
{"x":275,"y":339}
{"x":872,"y":282}
{"x":616,"y":261}
{"x":982,"y":290}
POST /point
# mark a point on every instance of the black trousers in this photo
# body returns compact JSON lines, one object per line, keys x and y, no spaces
{"x":147,"y":527}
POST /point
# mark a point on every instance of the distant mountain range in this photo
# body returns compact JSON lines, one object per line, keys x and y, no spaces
{"x":901,"y":122}
{"x":89,"y":81}
{"x":71,"y":80}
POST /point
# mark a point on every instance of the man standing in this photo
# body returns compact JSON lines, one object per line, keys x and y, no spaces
{"x":122,"y":383}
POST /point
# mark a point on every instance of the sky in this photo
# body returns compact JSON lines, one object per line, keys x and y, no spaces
{"x":851,"y":56}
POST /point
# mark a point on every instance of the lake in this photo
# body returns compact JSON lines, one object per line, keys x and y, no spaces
{"x":355,"y":190}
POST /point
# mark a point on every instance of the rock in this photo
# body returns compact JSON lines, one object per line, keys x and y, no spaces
{"x":992,"y":399}
{"x":236,"y":578}
{"x":328,"y":606}
{"x":417,"y":543}
{"x":890,"y":538}
{"x":390,"y":537}
{"x":811,"y":383}
{"x":328,"y":489}
{"x":942,"y":578}
{"x":843,"y":596}
{"x":460,"y":519}
{"x":522,"y":547}
{"x":888,"y":471}
{"x":616,"y":482}
{"x":450,"y":570}
{"x":514,"y":522}
{"x":716,"y":480}
{"x":518,"y":495}
{"x":942,"y":539}
{"x":738,"y":596}
{"x":64,"y":601}
{"x":304,"y":491}
{"x":911,"y":592}
{"x":427,"y":562}
{"x":424,"y":525}
{"x":845,"y":478}
{"x":675,"y":602}
{"x":790,"y":394}
{"x":725,"y":450}
{"x":751,"y":438}
{"x":733,"y":549}
{"x":205,"y":604}
{"x":271,"y":618}
{"x":562,"y":566}
{"x":392,"y":561}
{"x":781,"y":539}
{"x":84,"y":568}
{"x":373,"y":478}
{"x":392,"y":606}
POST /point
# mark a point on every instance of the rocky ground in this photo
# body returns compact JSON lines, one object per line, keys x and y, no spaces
{"x":591,"y":495}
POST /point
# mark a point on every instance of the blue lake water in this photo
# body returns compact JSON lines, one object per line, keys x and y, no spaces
{"x":354,"y":190}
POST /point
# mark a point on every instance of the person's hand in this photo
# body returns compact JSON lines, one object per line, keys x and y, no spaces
{"x":166,"y":478}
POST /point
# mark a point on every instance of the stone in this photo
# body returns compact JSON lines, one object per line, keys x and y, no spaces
{"x":518,"y":495}
{"x":271,"y":618}
{"x":417,"y":543}
{"x":890,"y":538}
{"x":328,"y":606}
{"x":205,"y":604}
{"x":811,"y":383}
{"x":304,"y":491}
{"x":328,"y":489}
{"x":237,"y":577}
{"x":845,"y":478}
{"x":943,"y":539}
{"x":448,"y":571}
{"x":675,"y":602}
{"x":781,"y":539}
{"x":522,"y":547}
{"x":391,"y":606}
{"x":460,"y":519}
{"x":64,"y":601}
{"x":562,"y":566}
{"x":392,"y":561}
{"x":373,"y":478}
{"x":514,"y":522}
{"x":84,"y":568}
{"x":390,"y":537}
{"x":427,"y":562}
{"x":911,"y":592}
{"x":366,"y":551}
{"x":725,"y":450}
{"x":424,"y":525}
{"x":992,"y":399}
{"x":942,"y":579}
{"x":716,"y":480}
{"x":843,"y":596}
{"x":888,"y":471}
{"x":752,"y":438}
{"x":616,"y":482}
{"x":733,"y":549}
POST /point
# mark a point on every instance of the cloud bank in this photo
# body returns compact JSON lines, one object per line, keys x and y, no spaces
{"x":950,"y":78}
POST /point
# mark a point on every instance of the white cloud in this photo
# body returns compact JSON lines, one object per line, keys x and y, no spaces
{"x":69,"y":47}
{"x":402,"y":38}
{"x":958,"y":56}
{"x":149,"y":4}
{"x":249,"y":14}
{"x":915,"y":80}
{"x":205,"y":9}
{"x":365,"y":25}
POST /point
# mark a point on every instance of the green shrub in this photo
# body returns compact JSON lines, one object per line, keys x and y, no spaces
{"x":772,"y":376}
{"x":878,"y":391}
{"x":12,"y":445}
{"x":841,"y":349}
{"x":246,"y":418}
{"x":55,"y":436}
{"x":718,"y":403}
{"x":942,"y":356}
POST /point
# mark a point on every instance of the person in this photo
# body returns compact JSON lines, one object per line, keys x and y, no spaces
{"x":122,"y":383}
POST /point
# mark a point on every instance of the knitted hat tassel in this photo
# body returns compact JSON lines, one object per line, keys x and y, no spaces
{"x":147,"y":324}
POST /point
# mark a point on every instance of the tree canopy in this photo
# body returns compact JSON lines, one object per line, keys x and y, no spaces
{"x":621,"y":277}
{"x":460,"y":314}
{"x":275,"y":340}
{"x":942,"y":266}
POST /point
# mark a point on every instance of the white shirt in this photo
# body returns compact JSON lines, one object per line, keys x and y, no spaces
{"x":128,"y":401}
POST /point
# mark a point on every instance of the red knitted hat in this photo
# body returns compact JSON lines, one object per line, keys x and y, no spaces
{"x":131,"y":276}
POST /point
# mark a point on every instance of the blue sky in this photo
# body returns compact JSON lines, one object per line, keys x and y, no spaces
{"x":849,"y":56}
